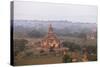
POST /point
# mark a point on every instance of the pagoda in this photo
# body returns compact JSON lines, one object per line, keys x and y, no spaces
{"x":50,"y":40}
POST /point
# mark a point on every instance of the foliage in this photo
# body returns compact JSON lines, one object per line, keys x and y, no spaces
{"x":66,"y":58}
{"x":35,"y":33}
{"x":71,"y":45}
{"x":19,"y":45}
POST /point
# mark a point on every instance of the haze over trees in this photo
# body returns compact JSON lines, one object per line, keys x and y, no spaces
{"x":33,"y":28}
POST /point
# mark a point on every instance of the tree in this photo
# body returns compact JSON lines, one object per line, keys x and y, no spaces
{"x":19,"y":45}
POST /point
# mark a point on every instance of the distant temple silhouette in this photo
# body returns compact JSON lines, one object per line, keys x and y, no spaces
{"x":50,"y":40}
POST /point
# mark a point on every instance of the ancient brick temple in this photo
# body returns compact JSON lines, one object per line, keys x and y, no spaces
{"x":50,"y":40}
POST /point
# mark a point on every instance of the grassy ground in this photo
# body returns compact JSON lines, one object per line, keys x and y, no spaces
{"x":39,"y":60}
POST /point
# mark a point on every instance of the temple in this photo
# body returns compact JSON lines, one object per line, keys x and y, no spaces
{"x":50,"y":40}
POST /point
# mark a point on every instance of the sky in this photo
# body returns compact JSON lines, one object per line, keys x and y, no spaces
{"x":28,"y":10}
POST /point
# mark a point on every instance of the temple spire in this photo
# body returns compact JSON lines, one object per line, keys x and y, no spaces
{"x":50,"y":30}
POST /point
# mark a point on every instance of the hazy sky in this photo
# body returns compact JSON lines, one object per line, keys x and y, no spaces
{"x":28,"y":10}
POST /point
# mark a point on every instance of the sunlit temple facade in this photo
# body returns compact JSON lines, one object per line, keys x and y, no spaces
{"x":50,"y":40}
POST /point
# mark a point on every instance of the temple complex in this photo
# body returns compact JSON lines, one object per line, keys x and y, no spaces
{"x":50,"y":40}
